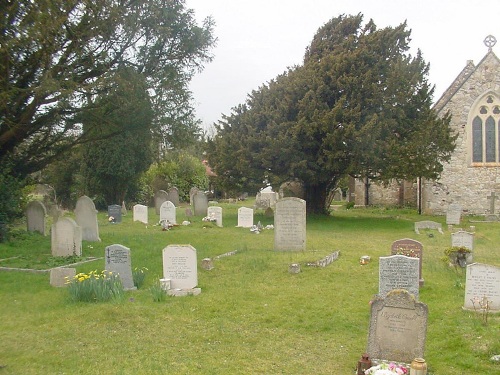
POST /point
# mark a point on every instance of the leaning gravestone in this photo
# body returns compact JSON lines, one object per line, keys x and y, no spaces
{"x":173,"y":196}
{"x":66,"y":238}
{"x":200,"y":204}
{"x":453,"y":214}
{"x":398,"y":272}
{"x":86,"y":218}
{"x":216,"y":212}
{"x":168,"y":212}
{"x":160,"y":197}
{"x":35,"y":217}
{"x":398,"y":328}
{"x":115,"y":211}
{"x":245,"y":217}
{"x":117,"y":260}
{"x":180,"y":266}
{"x":290,"y":225}
{"x":141,"y":213}
{"x":482,"y":282}
{"x":410,"y":248}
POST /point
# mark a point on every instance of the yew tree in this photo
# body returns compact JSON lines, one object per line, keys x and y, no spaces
{"x":359,"y":105}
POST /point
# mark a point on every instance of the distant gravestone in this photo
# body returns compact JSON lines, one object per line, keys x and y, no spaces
{"x":117,"y":260}
{"x":427,"y":224}
{"x":216,"y":212}
{"x":66,"y":238}
{"x":492,"y":198}
{"x":337,"y":196}
{"x":200,"y":204}
{"x":398,"y":272}
{"x":86,"y":218}
{"x":35,"y":217}
{"x":463,"y":238}
{"x":398,"y":328}
{"x":168,"y":212}
{"x":245,"y":217}
{"x":173,"y":196}
{"x":410,"y":248}
{"x":453,"y":214}
{"x":160,"y":197}
{"x":265,"y":198}
{"x":180,"y":266}
{"x":115,"y":211}
{"x":290,"y":225}
{"x":188,"y":212}
{"x":482,"y":283}
{"x":124,"y":209}
{"x":269,"y":212}
{"x":141,"y":213}
{"x":61,"y":276}
{"x":192,"y":193}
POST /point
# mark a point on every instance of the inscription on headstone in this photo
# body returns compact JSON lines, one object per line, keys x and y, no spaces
{"x":117,"y":260}
{"x":290,"y":225}
{"x":410,"y":248}
{"x":398,"y":272}
{"x":482,"y":282}
{"x":180,"y":266}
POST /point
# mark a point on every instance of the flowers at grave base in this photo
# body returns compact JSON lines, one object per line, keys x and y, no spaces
{"x":406,"y":252}
{"x":211,"y":218}
{"x":165,"y":225}
{"x":95,"y":287}
{"x":387,"y":369}
{"x":111,"y":219}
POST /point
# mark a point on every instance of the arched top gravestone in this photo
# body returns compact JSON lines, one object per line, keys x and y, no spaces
{"x":66,"y":238}
{"x":160,"y":197}
{"x":35,"y":217}
{"x":86,"y":218}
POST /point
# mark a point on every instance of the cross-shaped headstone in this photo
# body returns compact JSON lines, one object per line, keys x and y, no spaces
{"x":492,"y":199}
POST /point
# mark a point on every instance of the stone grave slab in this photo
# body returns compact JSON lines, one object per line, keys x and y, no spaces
{"x":117,"y":260}
{"x":160,"y":197}
{"x":140,"y":213}
{"x":245,"y":217}
{"x":428,"y":224}
{"x":482,"y":281}
{"x":66,"y":238}
{"x":86,"y":218}
{"x":200,"y":203}
{"x":180,"y":265}
{"x":410,"y":248}
{"x":115,"y":211}
{"x":168,"y":212}
{"x":398,"y":272}
{"x":35,"y":217}
{"x":59,"y":277}
{"x":216,"y":212}
{"x":454,"y":214}
{"x":290,"y":225}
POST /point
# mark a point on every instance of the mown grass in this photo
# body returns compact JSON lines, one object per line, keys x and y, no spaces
{"x":253,"y":316}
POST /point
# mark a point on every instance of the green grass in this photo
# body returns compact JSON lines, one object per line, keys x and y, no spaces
{"x":253,"y":316}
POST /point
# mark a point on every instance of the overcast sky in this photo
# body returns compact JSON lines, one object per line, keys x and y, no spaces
{"x":259,"y":39}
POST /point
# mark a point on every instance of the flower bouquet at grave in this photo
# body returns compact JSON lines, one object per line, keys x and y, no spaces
{"x":387,"y":369}
{"x":457,"y":256}
{"x":211,"y":218}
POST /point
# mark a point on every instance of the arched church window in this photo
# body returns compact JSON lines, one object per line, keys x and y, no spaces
{"x":485,"y":132}
{"x":483,"y":110}
{"x":477,"y":140}
{"x":490,"y":140}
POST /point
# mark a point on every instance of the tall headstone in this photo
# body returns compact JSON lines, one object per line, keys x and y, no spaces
{"x":66,"y":238}
{"x":200,"y":203}
{"x":160,"y":197}
{"x":192,"y":193}
{"x":245,"y":217}
{"x":115,"y":211}
{"x":117,"y":260}
{"x":216,"y":212}
{"x":398,"y":328}
{"x":86,"y":218}
{"x":168,"y":212}
{"x":463,"y":239}
{"x":453,"y":214}
{"x":141,"y":213}
{"x":482,"y":283}
{"x":173,"y":196}
{"x":398,"y":272}
{"x":410,"y":248}
{"x":35,"y":217}
{"x":290,"y":225}
{"x":180,"y":265}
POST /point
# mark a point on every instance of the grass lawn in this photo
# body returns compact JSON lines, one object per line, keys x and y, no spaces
{"x":253,"y":316}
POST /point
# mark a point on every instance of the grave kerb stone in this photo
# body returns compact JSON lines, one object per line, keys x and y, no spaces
{"x":428,"y":224}
{"x":60,"y":277}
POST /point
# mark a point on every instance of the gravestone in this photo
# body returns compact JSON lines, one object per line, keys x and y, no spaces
{"x":86,"y":218}
{"x":427,"y":224}
{"x":173,"y":196}
{"x":117,"y":260}
{"x":61,"y":276}
{"x":180,"y":266}
{"x":245,"y":217}
{"x":398,"y":272}
{"x":141,"y":213}
{"x":290,"y":225}
{"x":216,"y":212}
{"x":168,"y":212}
{"x":482,"y":281}
{"x":188,"y":212}
{"x":192,"y":193}
{"x":35,"y":217}
{"x":453,"y":214}
{"x":160,"y":197}
{"x":66,"y":238}
{"x":492,"y":198}
{"x":463,"y":238}
{"x":398,"y":328}
{"x":266,"y":198}
{"x":337,"y":196}
{"x":124,"y":209}
{"x":410,"y":248}
{"x":200,"y":204}
{"x":115,"y":211}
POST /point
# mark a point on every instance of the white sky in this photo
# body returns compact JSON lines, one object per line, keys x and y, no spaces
{"x":259,"y":39}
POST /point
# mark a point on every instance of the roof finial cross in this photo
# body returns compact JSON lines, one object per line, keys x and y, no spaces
{"x":490,"y":42}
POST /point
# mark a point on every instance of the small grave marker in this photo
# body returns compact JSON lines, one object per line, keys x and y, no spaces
{"x":427,"y":224}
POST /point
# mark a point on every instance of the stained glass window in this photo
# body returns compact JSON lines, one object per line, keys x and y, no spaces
{"x":490,"y":140}
{"x":477,"y":140}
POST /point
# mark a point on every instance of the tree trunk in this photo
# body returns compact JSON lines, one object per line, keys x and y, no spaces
{"x":316,"y":197}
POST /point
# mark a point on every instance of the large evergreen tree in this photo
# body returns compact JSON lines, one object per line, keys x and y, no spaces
{"x":359,"y":105}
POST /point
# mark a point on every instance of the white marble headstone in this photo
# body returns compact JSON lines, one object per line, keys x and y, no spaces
{"x":168,"y":212}
{"x":482,"y":281}
{"x":180,"y":265}
{"x":141,"y":213}
{"x":245,"y":217}
{"x":215,"y":211}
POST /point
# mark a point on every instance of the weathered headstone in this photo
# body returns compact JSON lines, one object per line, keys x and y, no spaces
{"x":492,"y":198}
{"x":216,"y":212}
{"x":141,"y":213}
{"x":188,"y":212}
{"x":160,"y":197}
{"x":482,"y":282}
{"x":337,"y":196}
{"x":168,"y":212}
{"x":428,"y":224}
{"x":398,"y":328}
{"x":290,"y":225}
{"x":245,"y":217}
{"x":398,"y":272}
{"x":173,"y":196}
{"x":35,"y":217}
{"x":60,"y":276}
{"x":117,"y":260}
{"x":66,"y":238}
{"x":453,"y":214}
{"x":410,"y":248}
{"x":115,"y":211}
{"x":180,"y":266}
{"x":192,"y":193}
{"x":463,"y":239}
{"x":266,"y":198}
{"x":200,"y":204}
{"x":86,"y":218}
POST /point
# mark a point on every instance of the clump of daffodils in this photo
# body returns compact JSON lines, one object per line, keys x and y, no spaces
{"x":95,"y":287}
